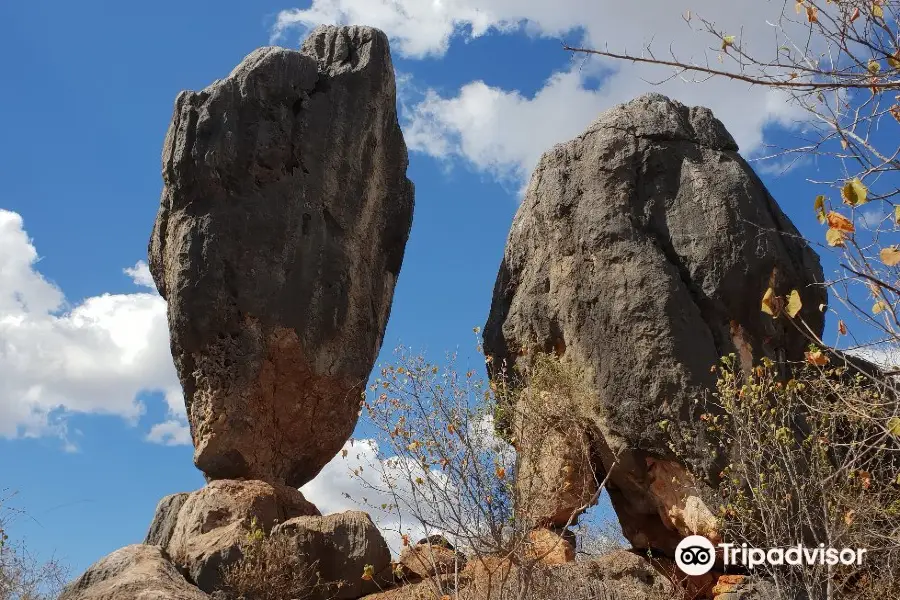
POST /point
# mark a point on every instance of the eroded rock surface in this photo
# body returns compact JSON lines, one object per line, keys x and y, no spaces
{"x":137,"y":572}
{"x":339,"y":546}
{"x":280,"y":235}
{"x":640,"y":254}
{"x":163,"y":524}
{"x":214,"y":521}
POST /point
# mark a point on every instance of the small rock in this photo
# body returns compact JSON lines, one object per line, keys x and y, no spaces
{"x":550,"y":548}
{"x":341,"y":545}
{"x":426,"y":560}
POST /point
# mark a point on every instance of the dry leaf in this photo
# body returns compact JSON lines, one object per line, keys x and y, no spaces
{"x":842,"y":328}
{"x":500,"y":472}
{"x":840,"y":222}
{"x":855,"y":192}
{"x":893,"y":61}
{"x":770,"y":303}
{"x":879,"y":307}
{"x":897,"y":214}
{"x":835,"y":238}
{"x":890,"y":256}
{"x":817,"y":358}
{"x":855,"y":14}
{"x":812,"y":14}
{"x":894,"y":426}
{"x":865,"y":479}
{"x":794,"y":304}
{"x":849,"y":516}
{"x":819,"y":207}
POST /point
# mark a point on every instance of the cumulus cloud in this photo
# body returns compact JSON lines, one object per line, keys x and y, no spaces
{"x":355,"y":480}
{"x":337,"y":489}
{"x":94,"y":357}
{"x":502,"y":132}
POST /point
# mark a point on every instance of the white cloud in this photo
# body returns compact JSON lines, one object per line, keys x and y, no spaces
{"x":337,"y":489}
{"x":170,"y":433}
{"x":95,"y":357}
{"x":503,"y":132}
{"x":140,"y":274}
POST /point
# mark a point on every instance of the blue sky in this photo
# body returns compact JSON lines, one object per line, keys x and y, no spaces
{"x":87,"y":438}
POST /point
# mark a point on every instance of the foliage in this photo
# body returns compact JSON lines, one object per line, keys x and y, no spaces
{"x":23,"y":576}
{"x":816,"y":460}
{"x":448,"y":472}
{"x":269,"y":569}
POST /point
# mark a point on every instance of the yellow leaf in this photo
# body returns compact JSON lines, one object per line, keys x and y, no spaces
{"x":854,"y":192}
{"x":368,"y":572}
{"x":799,"y":6}
{"x":849,"y":517}
{"x":894,"y":426}
{"x":842,"y":328}
{"x":879,"y":307}
{"x":897,"y":214}
{"x":835,"y":237}
{"x":890,"y":256}
{"x":873,"y":66}
{"x":769,"y":303}
{"x":420,"y":481}
{"x":840,"y":222}
{"x":816,"y":358}
{"x":844,"y":144}
{"x":727,"y":40}
{"x":877,"y":11}
{"x":894,"y":60}
{"x":794,"y":304}
{"x":819,"y":207}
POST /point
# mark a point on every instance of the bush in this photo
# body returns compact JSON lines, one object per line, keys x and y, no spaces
{"x":815,"y":459}
{"x":22,"y":576}
{"x":269,"y":569}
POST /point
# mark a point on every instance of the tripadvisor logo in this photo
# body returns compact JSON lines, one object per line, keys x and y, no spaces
{"x":696,"y":555}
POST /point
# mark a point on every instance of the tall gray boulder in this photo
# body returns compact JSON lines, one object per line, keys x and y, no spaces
{"x":641,"y":253}
{"x":280,"y":235}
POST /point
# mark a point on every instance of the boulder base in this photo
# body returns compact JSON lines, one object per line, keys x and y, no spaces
{"x":214,"y":521}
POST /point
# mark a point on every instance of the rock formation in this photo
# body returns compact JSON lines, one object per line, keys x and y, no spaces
{"x":164,"y":519}
{"x":137,"y":571}
{"x":640,"y":254}
{"x":341,"y":546}
{"x":280,"y":234}
{"x":213,"y":522}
